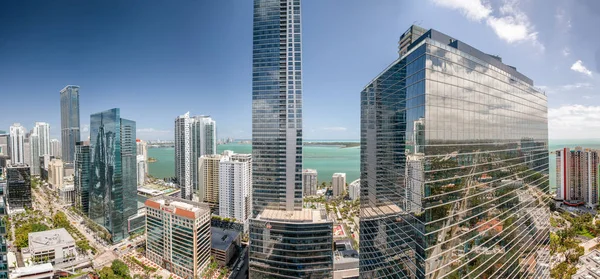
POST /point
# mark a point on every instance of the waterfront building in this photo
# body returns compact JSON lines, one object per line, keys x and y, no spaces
{"x":195,"y":136}
{"x":18,"y":187}
{"x":309,"y":182}
{"x":142,"y":150}
{"x":69,"y":122}
{"x":442,"y":166}
{"x":577,"y":176}
{"x":208,"y":179}
{"x":354,"y":190}
{"x":82,"y":176}
{"x":338,"y":184}
{"x":141,"y":170}
{"x":55,"y":148}
{"x":56,"y":173}
{"x":235,"y":186}
{"x":113,"y":179}
{"x":4,"y":143}
{"x":16,"y":143}
{"x":286,"y":241}
{"x":178,"y":235}
{"x":53,"y":246}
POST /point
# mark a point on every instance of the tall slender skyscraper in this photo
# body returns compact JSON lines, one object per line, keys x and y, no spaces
{"x":82,"y":176}
{"x":113,"y":180}
{"x":55,"y":148}
{"x":42,"y":129}
{"x":69,"y":121}
{"x":16,"y":141}
{"x":279,"y":222}
{"x":194,"y":136}
{"x":445,"y":177}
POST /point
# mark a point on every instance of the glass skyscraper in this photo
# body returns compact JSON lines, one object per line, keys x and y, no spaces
{"x":113,"y":180}
{"x":69,"y":121}
{"x":286,"y":241}
{"x":82,"y":176}
{"x":454,"y":166}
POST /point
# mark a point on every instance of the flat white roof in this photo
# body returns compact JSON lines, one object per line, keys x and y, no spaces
{"x":46,"y":239}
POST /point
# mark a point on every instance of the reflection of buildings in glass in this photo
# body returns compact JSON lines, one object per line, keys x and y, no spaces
{"x":577,"y":176}
{"x":113,"y":181}
{"x":82,"y":176}
{"x":465,"y":159}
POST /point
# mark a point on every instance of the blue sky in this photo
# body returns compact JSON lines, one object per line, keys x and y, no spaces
{"x":159,"y":59}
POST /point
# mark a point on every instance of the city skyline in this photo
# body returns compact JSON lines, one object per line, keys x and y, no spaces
{"x":544,"y":47}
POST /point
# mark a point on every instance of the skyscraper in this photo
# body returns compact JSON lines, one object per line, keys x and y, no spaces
{"x":444,"y":179}
{"x":309,"y":182}
{"x":18,"y":187}
{"x":577,"y":176}
{"x":208,"y":179}
{"x":16,"y":140}
{"x":42,"y":129}
{"x":69,"y":121}
{"x":338,"y":184}
{"x":82,"y":176}
{"x":55,"y":148}
{"x":194,"y":136}
{"x":113,"y":180}
{"x":34,"y":154}
{"x":235,"y":186}
{"x":279,"y":222}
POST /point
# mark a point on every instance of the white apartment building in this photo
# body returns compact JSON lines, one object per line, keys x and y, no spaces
{"x":354,"y":189}
{"x":235,"y":186}
{"x":195,"y":136}
{"x":577,"y":176}
{"x":16,"y":143}
{"x":141,"y":170}
{"x":55,"y":148}
{"x":338,"y":184}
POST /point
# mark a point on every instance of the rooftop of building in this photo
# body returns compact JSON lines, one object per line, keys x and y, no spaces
{"x":222,"y":238}
{"x":339,"y":174}
{"x":309,"y":171}
{"x":305,"y":215}
{"x":493,"y":60}
{"x":33,"y":270}
{"x":153,"y":189}
{"x":46,"y":239}
{"x":589,"y":266}
{"x":178,"y":206}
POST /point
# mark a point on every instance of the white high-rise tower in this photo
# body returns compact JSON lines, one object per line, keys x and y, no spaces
{"x":16,"y":142}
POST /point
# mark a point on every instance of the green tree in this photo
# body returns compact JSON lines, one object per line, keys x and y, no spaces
{"x":120,"y":268}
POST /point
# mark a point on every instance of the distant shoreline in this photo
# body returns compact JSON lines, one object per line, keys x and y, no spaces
{"x":331,"y":143}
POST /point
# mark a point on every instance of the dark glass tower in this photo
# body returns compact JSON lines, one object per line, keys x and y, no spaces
{"x":447,"y":188}
{"x":82,"y":177}
{"x":69,"y":121}
{"x":113,"y":180}
{"x":18,"y":186}
{"x":286,"y":241}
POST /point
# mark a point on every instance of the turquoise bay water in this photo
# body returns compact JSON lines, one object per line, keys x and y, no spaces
{"x":327,"y":160}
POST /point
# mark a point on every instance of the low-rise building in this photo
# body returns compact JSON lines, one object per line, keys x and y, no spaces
{"x":225,"y":244}
{"x":40,"y":271}
{"x":53,"y":246}
{"x":345,"y":260}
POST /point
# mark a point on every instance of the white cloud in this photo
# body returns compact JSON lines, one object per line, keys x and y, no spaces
{"x":574,"y":122}
{"x":472,"y":9}
{"x":565,"y":88}
{"x":512,"y":25}
{"x":579,"y":67}
{"x":566,"y":51}
{"x":86,"y":128}
{"x":335,"y":129}
{"x":152,"y":130}
{"x":586,"y":97}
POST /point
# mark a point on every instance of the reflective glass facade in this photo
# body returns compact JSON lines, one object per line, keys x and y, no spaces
{"x":69,"y":121}
{"x":454,"y":167}
{"x":82,"y":177}
{"x":277,"y":106}
{"x":281,"y":249}
{"x":18,"y":187}
{"x":113,"y":179}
